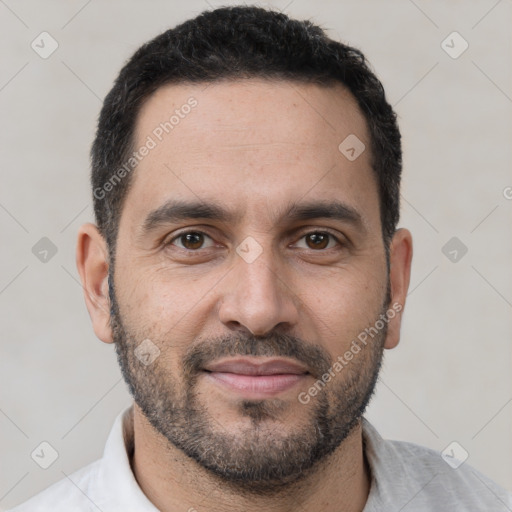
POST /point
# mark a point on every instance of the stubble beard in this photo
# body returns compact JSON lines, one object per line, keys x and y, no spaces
{"x":265,"y":456}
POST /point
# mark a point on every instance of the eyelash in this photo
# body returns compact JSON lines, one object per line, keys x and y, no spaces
{"x":323,"y":232}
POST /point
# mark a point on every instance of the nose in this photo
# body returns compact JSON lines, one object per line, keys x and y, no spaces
{"x":258,"y":296}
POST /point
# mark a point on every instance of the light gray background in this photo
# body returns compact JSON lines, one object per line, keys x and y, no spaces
{"x":448,"y":380}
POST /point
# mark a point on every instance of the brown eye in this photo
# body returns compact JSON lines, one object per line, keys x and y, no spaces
{"x":191,"y":240}
{"x":318,"y":240}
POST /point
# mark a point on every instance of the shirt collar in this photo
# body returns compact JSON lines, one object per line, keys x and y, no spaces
{"x":118,"y":490}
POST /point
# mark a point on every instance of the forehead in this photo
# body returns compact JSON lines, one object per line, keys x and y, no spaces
{"x":252,"y":144}
{"x":257,"y":108}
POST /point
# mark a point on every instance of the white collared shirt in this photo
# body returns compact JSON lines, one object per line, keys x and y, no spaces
{"x":405,"y":477}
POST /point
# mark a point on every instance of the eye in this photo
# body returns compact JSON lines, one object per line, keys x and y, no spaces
{"x":195,"y":240}
{"x":318,"y":240}
{"x":190,"y":240}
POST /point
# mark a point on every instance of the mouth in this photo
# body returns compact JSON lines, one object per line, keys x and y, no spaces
{"x":256,"y":377}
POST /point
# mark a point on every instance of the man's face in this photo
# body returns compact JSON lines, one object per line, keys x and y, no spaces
{"x":249,"y":311}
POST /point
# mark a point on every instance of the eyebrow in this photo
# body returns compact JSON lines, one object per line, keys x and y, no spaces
{"x":178,"y":210}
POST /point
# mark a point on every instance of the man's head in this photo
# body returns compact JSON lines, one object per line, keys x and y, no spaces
{"x":256,"y":257}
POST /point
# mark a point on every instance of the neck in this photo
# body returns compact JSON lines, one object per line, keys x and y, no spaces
{"x":173,"y":481}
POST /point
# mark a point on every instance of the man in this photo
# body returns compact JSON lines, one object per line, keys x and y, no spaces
{"x":247,"y":264}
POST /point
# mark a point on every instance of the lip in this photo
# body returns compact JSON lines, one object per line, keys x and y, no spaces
{"x":257,"y":366}
{"x":256,"y":378}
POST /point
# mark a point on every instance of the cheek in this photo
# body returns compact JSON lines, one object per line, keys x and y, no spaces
{"x":165,"y":307}
{"x":344,"y":305}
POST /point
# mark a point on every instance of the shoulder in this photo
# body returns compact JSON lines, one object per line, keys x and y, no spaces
{"x":70,"y":493}
{"x":419,"y":478}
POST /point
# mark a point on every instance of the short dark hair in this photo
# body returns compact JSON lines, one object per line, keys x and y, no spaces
{"x":235,"y":43}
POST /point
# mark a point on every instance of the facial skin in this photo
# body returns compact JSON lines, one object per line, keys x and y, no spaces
{"x":253,"y":148}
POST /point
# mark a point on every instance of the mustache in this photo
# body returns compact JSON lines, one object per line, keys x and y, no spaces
{"x":315,"y":358}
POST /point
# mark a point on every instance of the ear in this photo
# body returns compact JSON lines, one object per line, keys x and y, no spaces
{"x":92,"y":263}
{"x":400,"y":258}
